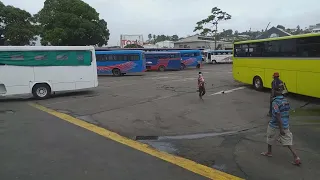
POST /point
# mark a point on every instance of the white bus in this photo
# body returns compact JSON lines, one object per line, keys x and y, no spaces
{"x":44,"y":70}
{"x":219,"y":56}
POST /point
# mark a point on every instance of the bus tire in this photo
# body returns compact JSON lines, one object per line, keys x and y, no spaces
{"x":198,"y":66}
{"x":257,"y":83}
{"x":116,"y":72}
{"x":162,"y":68}
{"x":41,"y":91}
{"x":214,"y":62}
{"x":183,"y":66}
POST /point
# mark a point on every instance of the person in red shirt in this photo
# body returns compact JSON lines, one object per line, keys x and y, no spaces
{"x":201,"y":82}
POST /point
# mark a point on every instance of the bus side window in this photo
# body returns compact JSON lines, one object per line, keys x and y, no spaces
{"x":125,"y":57}
{"x":109,"y":57}
{"x":133,"y":57}
{"x":62,"y":57}
{"x":16,"y":56}
{"x":80,"y":57}
{"x":41,"y":57}
{"x":119,"y":57}
{"x":185,"y":55}
{"x":101,"y":57}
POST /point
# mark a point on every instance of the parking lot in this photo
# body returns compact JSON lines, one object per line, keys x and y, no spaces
{"x":226,"y":130}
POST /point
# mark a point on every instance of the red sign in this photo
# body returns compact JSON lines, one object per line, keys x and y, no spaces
{"x":131,"y":39}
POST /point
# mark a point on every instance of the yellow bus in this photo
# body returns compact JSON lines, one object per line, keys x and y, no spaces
{"x":296,"y":58}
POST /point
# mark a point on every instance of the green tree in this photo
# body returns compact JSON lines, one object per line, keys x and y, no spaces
{"x":71,"y":23}
{"x":298,"y":31}
{"x":214,"y":18}
{"x":226,"y":33}
{"x":149,"y":37}
{"x":175,"y":38}
{"x":133,"y":46}
{"x":17,"y":26}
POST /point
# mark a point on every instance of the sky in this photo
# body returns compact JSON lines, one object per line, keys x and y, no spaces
{"x":180,"y":16}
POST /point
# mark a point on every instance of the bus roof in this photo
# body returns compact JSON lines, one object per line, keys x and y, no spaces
{"x":186,"y":51}
{"x":162,"y":52}
{"x":120,"y":52}
{"x":280,"y":38}
{"x":220,"y":51}
{"x":45,"y":48}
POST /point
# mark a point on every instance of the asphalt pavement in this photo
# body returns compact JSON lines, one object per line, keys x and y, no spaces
{"x":35,"y":145}
{"x":225,"y":131}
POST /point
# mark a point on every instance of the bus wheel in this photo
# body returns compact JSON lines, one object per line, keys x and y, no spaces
{"x":116,"y":72}
{"x":162,"y":68}
{"x":214,"y":62}
{"x":198,"y":66}
{"x":41,"y":91}
{"x":257,"y":83}
{"x":183,"y":66}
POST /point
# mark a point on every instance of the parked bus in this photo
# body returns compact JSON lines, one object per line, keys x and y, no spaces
{"x":219,"y":56}
{"x":190,"y":58}
{"x":163,"y":61}
{"x":120,"y":62}
{"x":296,"y":58}
{"x":142,"y":49}
{"x":44,"y":70}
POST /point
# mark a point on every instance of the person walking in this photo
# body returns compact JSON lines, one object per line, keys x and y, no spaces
{"x":278,"y":127}
{"x":201,"y":82}
{"x":276,"y":82}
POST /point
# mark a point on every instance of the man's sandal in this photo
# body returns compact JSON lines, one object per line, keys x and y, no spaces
{"x":266,"y":154}
{"x":296,"y":162}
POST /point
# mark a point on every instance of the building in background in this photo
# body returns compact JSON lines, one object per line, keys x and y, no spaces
{"x":205,"y":42}
{"x":165,"y":44}
{"x":162,"y":44}
{"x":314,"y":28}
{"x":272,"y":33}
{"x":150,"y":45}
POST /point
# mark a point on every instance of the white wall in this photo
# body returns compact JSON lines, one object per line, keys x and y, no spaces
{"x":167,"y":44}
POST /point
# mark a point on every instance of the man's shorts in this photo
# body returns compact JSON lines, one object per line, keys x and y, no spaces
{"x":273,"y":135}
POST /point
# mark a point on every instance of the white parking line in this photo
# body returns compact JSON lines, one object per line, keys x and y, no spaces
{"x":227,"y":91}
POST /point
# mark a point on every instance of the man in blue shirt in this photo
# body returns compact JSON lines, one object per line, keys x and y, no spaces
{"x":278,"y":128}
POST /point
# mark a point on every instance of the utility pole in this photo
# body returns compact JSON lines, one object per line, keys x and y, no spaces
{"x":267,"y":27}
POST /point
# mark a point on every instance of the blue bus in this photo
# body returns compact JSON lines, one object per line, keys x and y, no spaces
{"x":190,"y":58}
{"x":120,"y":62}
{"x":162,"y":61}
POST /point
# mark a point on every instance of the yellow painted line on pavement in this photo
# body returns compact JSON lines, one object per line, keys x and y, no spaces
{"x":179,"y":161}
